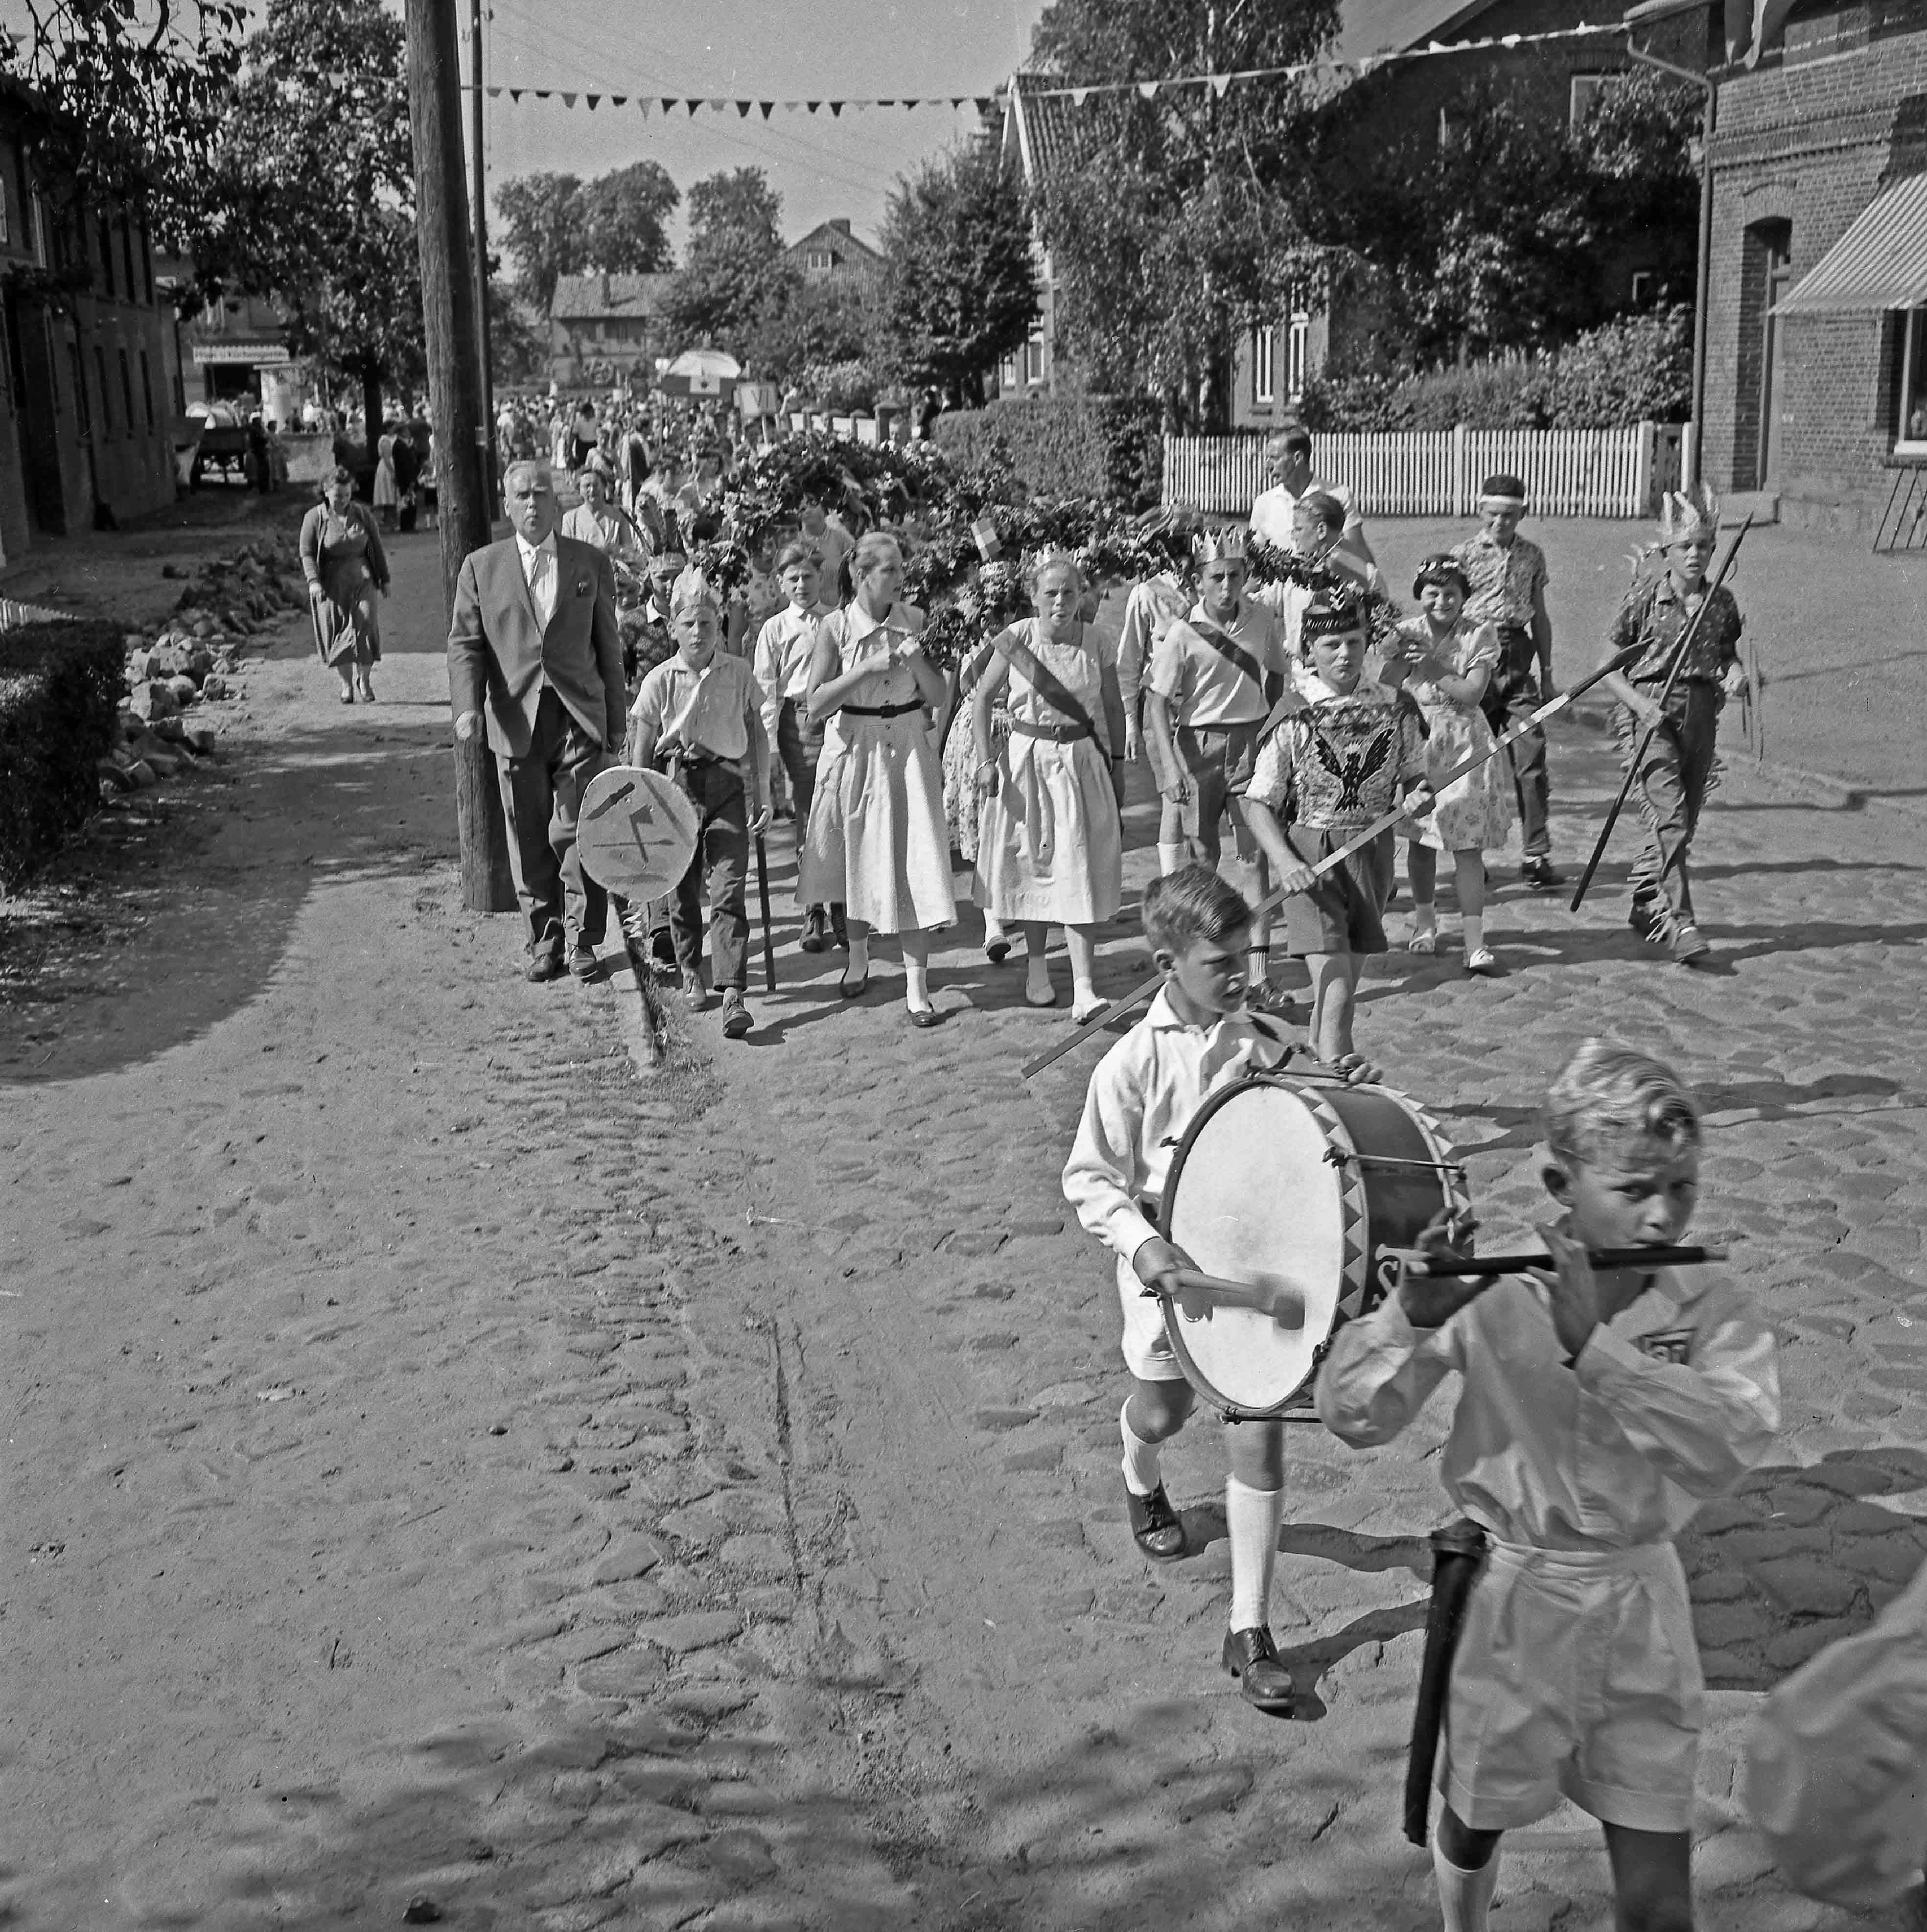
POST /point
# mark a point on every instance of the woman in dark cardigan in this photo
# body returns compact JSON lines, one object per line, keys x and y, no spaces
{"x":347,"y":568}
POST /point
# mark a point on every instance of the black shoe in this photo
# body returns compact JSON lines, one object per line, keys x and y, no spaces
{"x":1262,"y":997}
{"x":582,"y":961}
{"x":1538,"y":873}
{"x":1158,"y":1527}
{"x":1688,"y":948}
{"x":545,"y":966}
{"x":838,"y":931}
{"x":925,"y":1016}
{"x":1251,"y":1657}
{"x":663,"y":947}
{"x":735,"y":1020}
{"x":814,"y":927}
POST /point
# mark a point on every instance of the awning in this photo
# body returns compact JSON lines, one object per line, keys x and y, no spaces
{"x":1880,"y":262}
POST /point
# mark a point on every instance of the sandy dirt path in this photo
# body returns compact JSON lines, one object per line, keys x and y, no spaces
{"x":441,"y":1465}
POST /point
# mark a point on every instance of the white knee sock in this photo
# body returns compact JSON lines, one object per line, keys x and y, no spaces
{"x":1464,"y":1898}
{"x":1474,"y":926}
{"x":1141,"y":1458}
{"x":1083,"y":992}
{"x":1252,"y":1517}
{"x":1169,"y":858}
{"x":993,"y":927}
{"x":916,"y":982}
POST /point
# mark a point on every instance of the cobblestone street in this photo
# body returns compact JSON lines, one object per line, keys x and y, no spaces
{"x":444,"y":1466}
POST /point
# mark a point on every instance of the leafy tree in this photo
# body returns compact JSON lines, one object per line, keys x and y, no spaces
{"x":555,"y":225}
{"x":319,"y":154}
{"x":1189,"y":229}
{"x":808,"y":324}
{"x":517,"y":339}
{"x":734,"y":269}
{"x":960,"y":292}
{"x":139,"y":103}
{"x":541,"y":217}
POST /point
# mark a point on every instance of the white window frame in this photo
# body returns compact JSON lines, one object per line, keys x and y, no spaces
{"x":1581,"y":90}
{"x":1007,"y":372}
{"x":1645,"y":291}
{"x":1264,"y":365}
{"x":1298,"y":355}
{"x":1912,"y":357}
{"x":818,"y":261}
{"x":1034,"y":361}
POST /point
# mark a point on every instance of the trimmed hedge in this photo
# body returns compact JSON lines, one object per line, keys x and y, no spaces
{"x":1636,"y":370}
{"x":61,"y":685}
{"x":1106,"y":446}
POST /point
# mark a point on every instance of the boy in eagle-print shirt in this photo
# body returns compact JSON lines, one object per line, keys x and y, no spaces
{"x":1338,"y":752}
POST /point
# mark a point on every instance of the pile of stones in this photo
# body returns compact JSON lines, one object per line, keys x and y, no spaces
{"x":195,"y":658}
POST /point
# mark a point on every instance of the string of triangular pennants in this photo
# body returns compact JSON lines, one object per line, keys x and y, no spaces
{"x":1219,"y":84}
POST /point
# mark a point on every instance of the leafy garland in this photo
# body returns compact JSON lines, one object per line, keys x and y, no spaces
{"x":965,"y":535}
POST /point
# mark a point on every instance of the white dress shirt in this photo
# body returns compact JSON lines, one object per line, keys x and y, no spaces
{"x":538,"y":567}
{"x":1271,"y":510}
{"x":1141,"y":1099}
{"x":783,"y":647}
{"x":1203,"y":687}
{"x":1669,"y":1403}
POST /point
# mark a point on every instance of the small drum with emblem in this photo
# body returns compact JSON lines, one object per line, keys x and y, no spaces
{"x":636,"y":832}
{"x":1300,"y":1187}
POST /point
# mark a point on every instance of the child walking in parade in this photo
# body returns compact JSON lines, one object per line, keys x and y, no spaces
{"x":1214,"y":676}
{"x":1507,"y":573}
{"x":1196,"y":1035}
{"x":1444,"y":659}
{"x":699,"y":718}
{"x":1597,"y":1411}
{"x":1340,"y":752}
{"x":1676,"y":769}
{"x":782,"y":666}
{"x":1050,"y":844}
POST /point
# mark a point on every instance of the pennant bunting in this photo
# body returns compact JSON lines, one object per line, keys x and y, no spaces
{"x":1078,"y":95}
{"x":591,"y":99}
{"x":1219,"y":84}
{"x":765,"y":106}
{"x":666,"y":102}
{"x":813,"y":105}
{"x":1147,"y":90}
{"x":742,"y":108}
{"x":567,"y":100}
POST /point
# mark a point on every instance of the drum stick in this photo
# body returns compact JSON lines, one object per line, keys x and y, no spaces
{"x":1644,"y":1258}
{"x":1272,"y":900}
{"x":1271,"y":1295}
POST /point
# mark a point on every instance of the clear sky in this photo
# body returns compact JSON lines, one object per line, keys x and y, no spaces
{"x":769,"y":49}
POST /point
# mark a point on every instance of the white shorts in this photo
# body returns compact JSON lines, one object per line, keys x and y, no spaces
{"x":1147,"y":1347}
{"x":1576,"y":1675}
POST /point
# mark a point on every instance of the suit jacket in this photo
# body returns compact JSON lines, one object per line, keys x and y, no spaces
{"x":499,"y":656}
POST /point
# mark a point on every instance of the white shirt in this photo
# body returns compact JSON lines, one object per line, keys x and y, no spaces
{"x":707,"y":710}
{"x":1202,"y":686}
{"x":539,"y":568}
{"x":1149,"y":611}
{"x":1669,"y":1403}
{"x":1271,"y":510}
{"x":783,"y":648}
{"x":1141,"y":1099}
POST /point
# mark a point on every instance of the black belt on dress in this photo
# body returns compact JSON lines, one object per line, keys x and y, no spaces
{"x":1057,"y":734}
{"x":883,"y":710}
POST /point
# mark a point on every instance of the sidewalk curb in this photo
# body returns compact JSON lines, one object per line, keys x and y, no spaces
{"x":1832,"y":793}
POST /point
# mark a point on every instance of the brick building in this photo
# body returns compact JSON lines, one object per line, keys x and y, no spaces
{"x":1815,"y":378}
{"x":90,"y":390}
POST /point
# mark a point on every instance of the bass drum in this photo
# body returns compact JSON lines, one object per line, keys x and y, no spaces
{"x":1304,"y":1184}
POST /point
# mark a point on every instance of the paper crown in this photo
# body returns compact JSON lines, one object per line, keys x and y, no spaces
{"x":1685,"y":515}
{"x":1331,"y":614}
{"x":1049,"y":558}
{"x":693,"y":589}
{"x":1220,"y":546}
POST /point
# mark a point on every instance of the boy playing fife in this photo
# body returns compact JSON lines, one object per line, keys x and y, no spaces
{"x":699,"y":718}
{"x":1196,"y":1035}
{"x":1597,"y":1412}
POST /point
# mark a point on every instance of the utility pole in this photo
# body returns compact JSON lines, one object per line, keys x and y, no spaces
{"x":456,"y":401}
{"x":478,"y":162}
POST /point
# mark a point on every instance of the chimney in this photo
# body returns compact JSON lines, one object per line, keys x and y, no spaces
{"x":841,"y":223}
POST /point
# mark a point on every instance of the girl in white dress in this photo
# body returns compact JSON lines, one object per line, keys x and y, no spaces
{"x":1049,"y":844}
{"x":1445,"y":661}
{"x":877,"y":838}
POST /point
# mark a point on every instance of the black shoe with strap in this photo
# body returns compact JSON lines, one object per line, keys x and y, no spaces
{"x":1538,"y":873}
{"x":1158,"y":1527}
{"x":1251,"y":1657}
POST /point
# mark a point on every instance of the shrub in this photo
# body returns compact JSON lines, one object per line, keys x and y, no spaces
{"x":61,"y":685}
{"x":1106,"y":446}
{"x":1638,"y":369}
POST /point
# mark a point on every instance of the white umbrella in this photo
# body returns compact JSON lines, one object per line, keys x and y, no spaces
{"x":701,"y":372}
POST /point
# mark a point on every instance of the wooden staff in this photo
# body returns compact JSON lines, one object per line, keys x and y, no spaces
{"x":1531,"y":722}
{"x":1680,"y":650}
{"x":763,"y":894}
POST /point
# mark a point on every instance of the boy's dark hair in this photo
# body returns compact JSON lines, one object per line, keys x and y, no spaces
{"x":1608,"y":1093}
{"x":1191,"y":904}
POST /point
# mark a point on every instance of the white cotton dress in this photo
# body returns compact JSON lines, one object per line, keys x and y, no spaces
{"x":1474,"y":812}
{"x":1050,"y":846}
{"x":878,"y":842}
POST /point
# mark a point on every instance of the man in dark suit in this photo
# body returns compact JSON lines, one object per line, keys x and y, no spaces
{"x":534,"y":657}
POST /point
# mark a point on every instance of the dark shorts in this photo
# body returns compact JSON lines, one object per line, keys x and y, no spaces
{"x":1344,"y":911}
{"x":1219,"y":759}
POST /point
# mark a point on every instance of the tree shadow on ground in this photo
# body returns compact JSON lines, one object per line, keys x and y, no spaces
{"x":172,"y":912}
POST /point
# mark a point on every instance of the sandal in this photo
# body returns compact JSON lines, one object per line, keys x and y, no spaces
{"x":1084,"y":1015}
{"x":1425,"y":940}
{"x":1484,"y":962}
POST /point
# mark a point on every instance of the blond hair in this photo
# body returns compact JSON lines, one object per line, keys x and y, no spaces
{"x":1608,"y":1093}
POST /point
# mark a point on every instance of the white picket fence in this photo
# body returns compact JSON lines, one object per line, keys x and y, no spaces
{"x":1568,"y":473}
